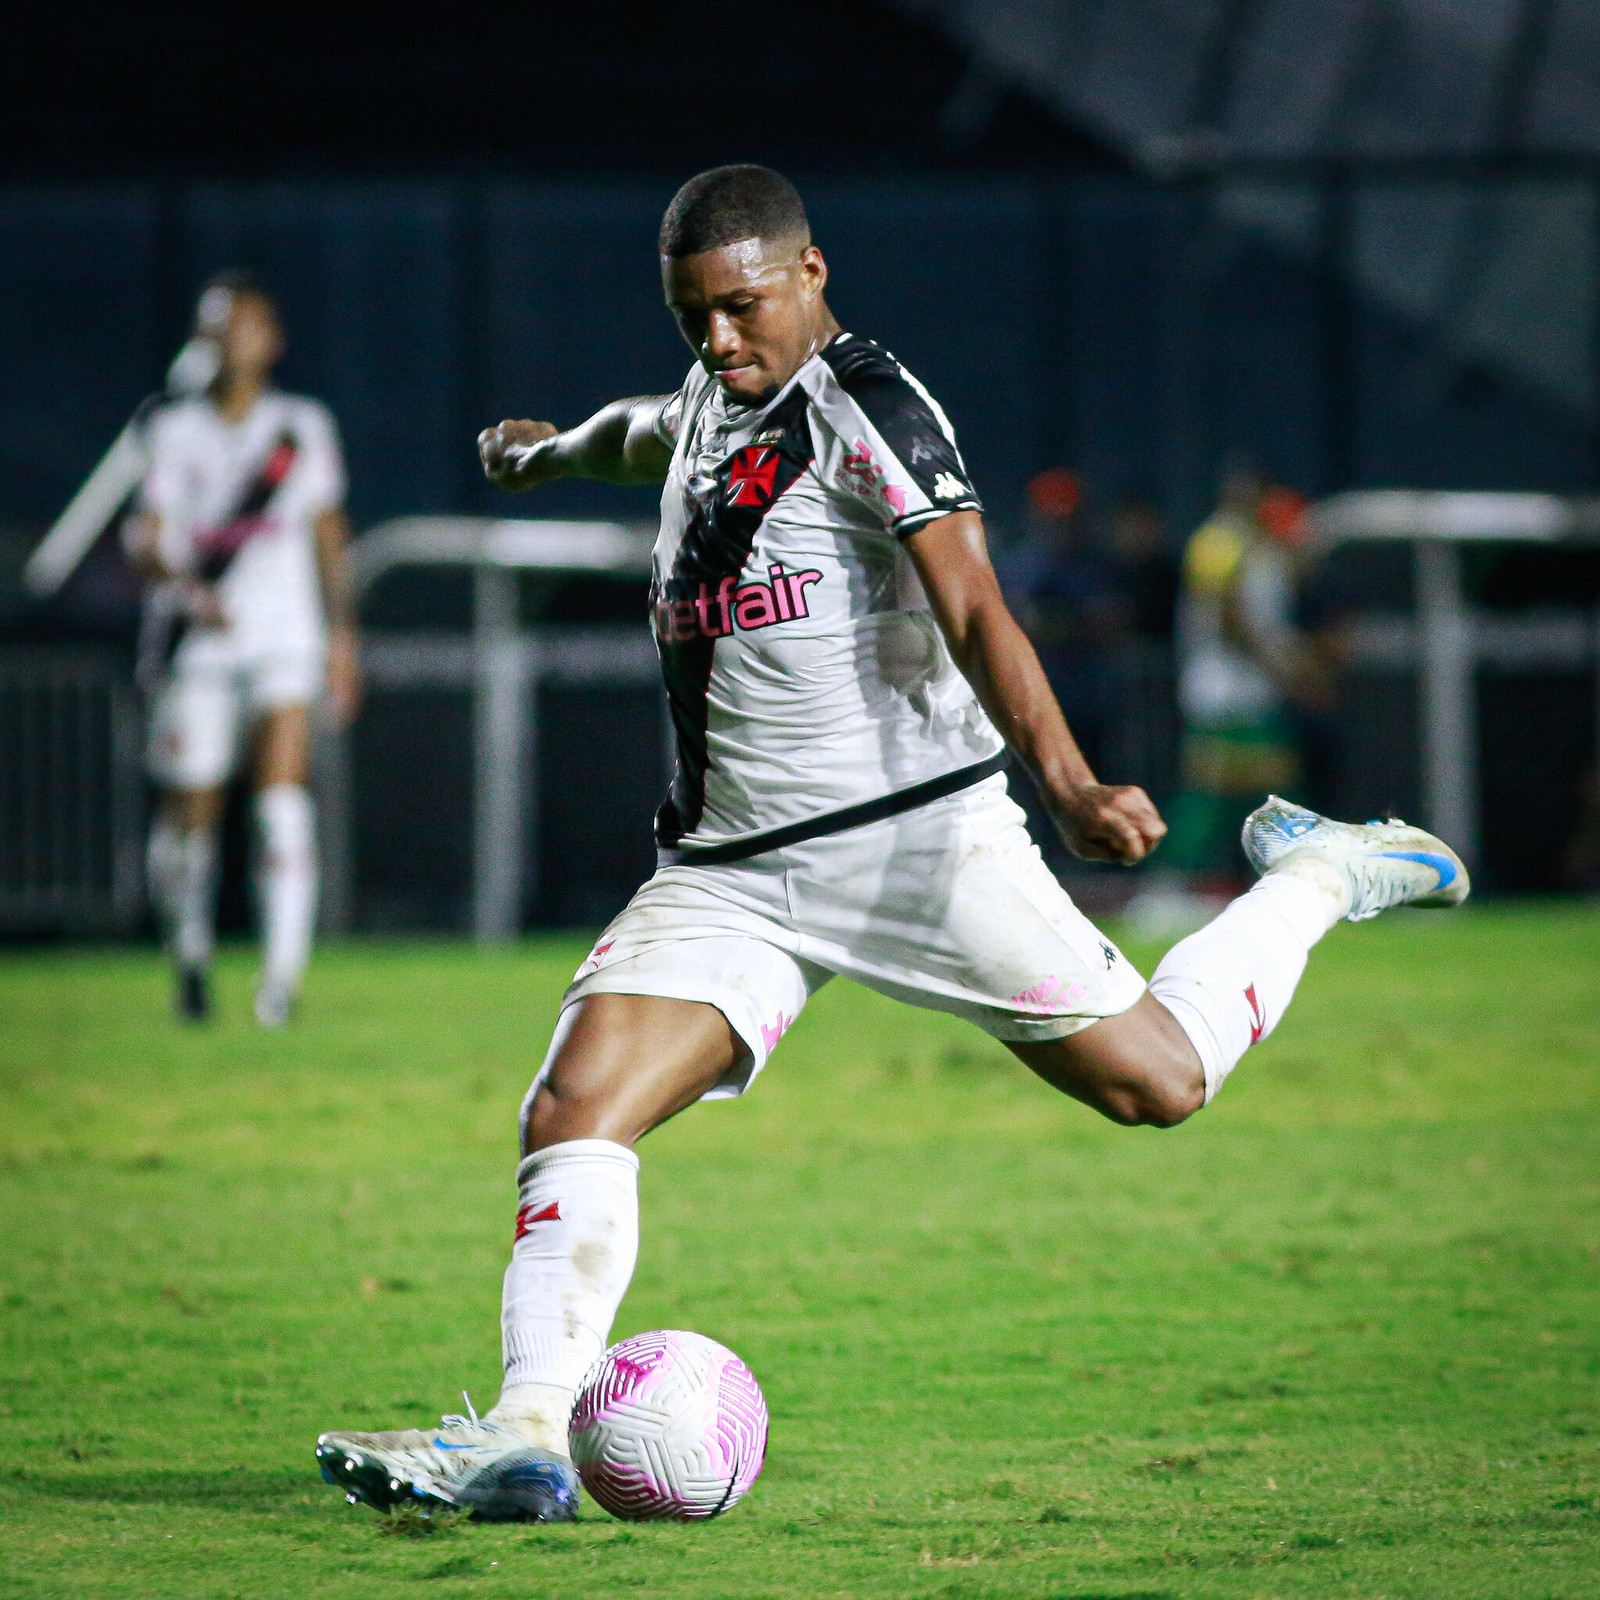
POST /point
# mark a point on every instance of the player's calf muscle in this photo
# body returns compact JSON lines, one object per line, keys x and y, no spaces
{"x":1138,"y":1069}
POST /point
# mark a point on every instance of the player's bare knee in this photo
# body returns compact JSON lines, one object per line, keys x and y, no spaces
{"x":1172,"y":1104}
{"x":1162,"y":1098}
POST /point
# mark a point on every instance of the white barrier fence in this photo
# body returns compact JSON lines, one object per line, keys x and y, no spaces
{"x":71,"y":771}
{"x":1448,"y":642}
{"x":71,"y":793}
{"x":505,"y":664}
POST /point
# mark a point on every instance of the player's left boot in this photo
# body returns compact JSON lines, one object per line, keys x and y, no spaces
{"x":1386,"y":863}
{"x":191,"y":997}
{"x":466,"y":1463}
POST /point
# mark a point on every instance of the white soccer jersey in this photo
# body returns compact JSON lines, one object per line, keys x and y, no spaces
{"x":805,"y":671}
{"x":238,"y":503}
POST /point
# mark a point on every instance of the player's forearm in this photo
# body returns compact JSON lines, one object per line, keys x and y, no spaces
{"x":994,"y":654}
{"x":333,"y":567}
{"x":594,"y":449}
{"x":142,"y":541}
{"x":616,"y":445}
{"x":1003,"y":668}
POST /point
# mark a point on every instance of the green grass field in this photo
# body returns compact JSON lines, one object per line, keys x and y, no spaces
{"x":1337,"y":1336}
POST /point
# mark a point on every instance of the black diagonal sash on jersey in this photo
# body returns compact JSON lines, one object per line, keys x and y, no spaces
{"x":166,"y":623}
{"x":723,"y":522}
{"x":229,"y":537}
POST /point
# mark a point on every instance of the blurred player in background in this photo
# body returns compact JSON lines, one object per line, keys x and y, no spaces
{"x":844,"y":678}
{"x":1243,"y":662}
{"x":241,"y":530}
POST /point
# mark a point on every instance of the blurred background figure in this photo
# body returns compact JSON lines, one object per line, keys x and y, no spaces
{"x":1580,"y":863}
{"x":1145,"y":571}
{"x":1244,"y":663}
{"x":1066,"y":593}
{"x":240,"y":531}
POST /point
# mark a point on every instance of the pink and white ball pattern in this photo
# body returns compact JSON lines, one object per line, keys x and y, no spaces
{"x":669,"y":1426}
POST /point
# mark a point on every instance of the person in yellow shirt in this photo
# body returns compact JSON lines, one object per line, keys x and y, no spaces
{"x":1242,"y":660}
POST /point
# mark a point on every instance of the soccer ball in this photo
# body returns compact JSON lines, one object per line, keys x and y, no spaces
{"x":669,"y":1426}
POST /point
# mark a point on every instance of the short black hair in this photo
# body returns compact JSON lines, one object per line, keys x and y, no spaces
{"x":231,"y":284}
{"x":728,"y":203}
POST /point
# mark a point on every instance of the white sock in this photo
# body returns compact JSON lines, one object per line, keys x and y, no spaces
{"x":577,"y":1240}
{"x":287,"y":876}
{"x":182,"y":865}
{"x":1229,"y":983}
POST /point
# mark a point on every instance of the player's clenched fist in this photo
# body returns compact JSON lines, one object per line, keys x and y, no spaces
{"x":509,"y":454}
{"x":1109,"y":822}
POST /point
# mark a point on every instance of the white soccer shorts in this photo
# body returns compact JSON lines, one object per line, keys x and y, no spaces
{"x":949,"y":906}
{"x":202,"y":711}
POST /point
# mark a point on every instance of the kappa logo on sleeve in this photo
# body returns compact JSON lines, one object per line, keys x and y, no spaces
{"x":947,"y":486}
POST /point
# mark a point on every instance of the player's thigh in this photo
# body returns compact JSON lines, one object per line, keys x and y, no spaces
{"x":684,"y":996}
{"x":952,"y":908}
{"x":281,"y":689}
{"x":195,"y":809}
{"x":283,"y":746}
{"x":1138,"y":1067}
{"x":621,"y":1064}
{"x":194,"y":732}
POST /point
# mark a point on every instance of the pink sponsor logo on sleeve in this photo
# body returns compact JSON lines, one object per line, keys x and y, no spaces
{"x":867,"y":476}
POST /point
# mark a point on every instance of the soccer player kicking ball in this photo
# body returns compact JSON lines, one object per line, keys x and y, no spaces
{"x":241,"y":530}
{"x":844,"y":681}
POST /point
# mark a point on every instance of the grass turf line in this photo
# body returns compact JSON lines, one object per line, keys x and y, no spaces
{"x":1339,"y":1335}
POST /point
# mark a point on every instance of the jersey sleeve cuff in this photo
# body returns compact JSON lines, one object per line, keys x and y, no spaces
{"x":904,"y":527}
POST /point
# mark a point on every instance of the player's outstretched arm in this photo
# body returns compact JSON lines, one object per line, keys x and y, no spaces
{"x":1103,"y":822}
{"x":621,"y":443}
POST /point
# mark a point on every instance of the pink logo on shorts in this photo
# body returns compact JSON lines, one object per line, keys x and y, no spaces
{"x":1051,"y":997}
{"x":771,"y":1035}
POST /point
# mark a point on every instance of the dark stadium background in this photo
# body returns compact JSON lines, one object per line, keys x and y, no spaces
{"x":457,"y":207}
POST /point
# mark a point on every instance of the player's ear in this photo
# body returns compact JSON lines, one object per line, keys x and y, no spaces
{"x":813,"y":272}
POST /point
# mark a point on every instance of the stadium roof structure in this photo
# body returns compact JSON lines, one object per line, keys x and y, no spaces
{"x":1190,"y":85}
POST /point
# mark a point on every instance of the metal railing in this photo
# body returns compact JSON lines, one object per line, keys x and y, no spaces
{"x":71,"y":793}
{"x":1448,"y":641}
{"x":504,"y":664}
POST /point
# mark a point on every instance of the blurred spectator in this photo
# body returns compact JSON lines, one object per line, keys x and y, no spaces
{"x":1146,"y":570}
{"x":1243,"y":661}
{"x":1580,"y":861}
{"x":1066,"y":595}
{"x":1324,"y":603}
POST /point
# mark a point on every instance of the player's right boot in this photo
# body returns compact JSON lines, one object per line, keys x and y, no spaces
{"x":1386,"y":863}
{"x":275,"y":1005}
{"x":466,"y":1464}
{"x":192,"y":994}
